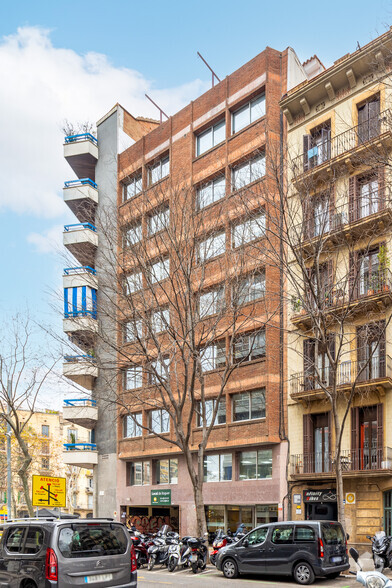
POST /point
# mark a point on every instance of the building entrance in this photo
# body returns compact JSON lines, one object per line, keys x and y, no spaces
{"x":321,"y":511}
{"x":149,"y":519}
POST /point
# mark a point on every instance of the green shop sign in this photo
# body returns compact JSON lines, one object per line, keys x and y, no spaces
{"x":161,"y":497}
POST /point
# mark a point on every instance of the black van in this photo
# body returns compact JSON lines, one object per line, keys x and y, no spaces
{"x":302,"y":549}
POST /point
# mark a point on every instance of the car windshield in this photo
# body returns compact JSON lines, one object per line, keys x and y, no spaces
{"x":332,"y":534}
{"x":92,"y":540}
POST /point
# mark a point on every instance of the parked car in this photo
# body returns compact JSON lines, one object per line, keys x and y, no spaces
{"x":43,"y":553}
{"x":302,"y":549}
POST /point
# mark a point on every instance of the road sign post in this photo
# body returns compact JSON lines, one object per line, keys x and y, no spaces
{"x":49,"y":492}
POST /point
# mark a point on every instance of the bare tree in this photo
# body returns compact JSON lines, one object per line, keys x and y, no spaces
{"x":23,"y":373}
{"x":74,"y":128}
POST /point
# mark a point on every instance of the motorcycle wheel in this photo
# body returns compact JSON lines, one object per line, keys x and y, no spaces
{"x":151,"y":562}
{"x":194,"y":567}
{"x":379,"y":564}
{"x":171,"y":566}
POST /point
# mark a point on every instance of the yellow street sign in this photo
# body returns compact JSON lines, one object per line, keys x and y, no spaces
{"x":49,"y":492}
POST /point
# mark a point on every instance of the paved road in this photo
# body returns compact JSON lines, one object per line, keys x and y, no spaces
{"x":211,"y":578}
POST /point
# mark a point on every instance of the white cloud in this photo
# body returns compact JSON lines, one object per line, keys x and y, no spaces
{"x":50,"y":241}
{"x":42,"y":86}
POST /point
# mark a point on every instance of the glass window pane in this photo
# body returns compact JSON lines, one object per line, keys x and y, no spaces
{"x":146,"y":473}
{"x":241,"y":176}
{"x":204,"y":141}
{"x":211,"y":468}
{"x":138,"y":184}
{"x":264,"y":463}
{"x":134,"y":235}
{"x":158,"y":221}
{"x":241,"y":118}
{"x":257,"y":343}
{"x":205,"y":195}
{"x":134,"y":283}
{"x":173,"y":471}
{"x":219,"y":187}
{"x":221,"y":414}
{"x":226,"y":467}
{"x":241,"y":407}
{"x":207,"y":358}
{"x":257,"y":108}
{"x":248,"y":461}
{"x":165,"y":421}
{"x":155,"y":173}
{"x":257,"y":168}
{"x":163,"y":471}
{"x":257,"y":404}
{"x":133,"y":329}
{"x":219,"y":132}
{"x":159,"y":271}
{"x":155,"y":421}
{"x":138,"y":476}
{"x":165,"y":167}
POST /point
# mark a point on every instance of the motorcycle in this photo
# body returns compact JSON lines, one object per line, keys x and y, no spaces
{"x":179,"y":554}
{"x":221,"y":540}
{"x":381,"y":550}
{"x":369,"y":579}
{"x":141,"y":544}
{"x":158,"y":552}
{"x":198,"y":553}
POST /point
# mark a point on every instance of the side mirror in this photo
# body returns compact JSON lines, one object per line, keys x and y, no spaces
{"x":368,"y":537}
{"x":354,"y":554}
{"x":245,"y":543}
{"x":347,"y":537}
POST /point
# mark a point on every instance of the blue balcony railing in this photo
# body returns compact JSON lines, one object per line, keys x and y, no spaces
{"x":71,"y":271}
{"x":80,"y":446}
{"x":80,"y":402}
{"x":81,"y":137}
{"x":78,"y":226}
{"x":77,"y":313}
{"x":81,"y":182}
{"x":79,"y":358}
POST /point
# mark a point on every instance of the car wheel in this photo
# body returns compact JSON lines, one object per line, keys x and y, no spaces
{"x":230,"y":569}
{"x":303,"y":573}
{"x":30,"y":584}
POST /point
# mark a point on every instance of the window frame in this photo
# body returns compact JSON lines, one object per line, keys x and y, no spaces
{"x":152,"y":166}
{"x":169,"y":469}
{"x":135,"y":327}
{"x":248,"y":284}
{"x":203,"y":187}
{"x":134,"y":180}
{"x":164,"y":264}
{"x":246,"y":227}
{"x":241,"y":396}
{"x":138,"y":369}
{"x":136,"y":227}
{"x":222,"y":402}
{"x":217,"y":303}
{"x":221,"y":123}
{"x":248,"y":106}
{"x":220,"y":457}
{"x":160,"y":320}
{"x":137,"y":426}
{"x":251,"y":356}
{"x":46,"y":435}
{"x":161,"y":421}
{"x":255,"y":159}
{"x":145,"y":465}
{"x":138,"y":282}
{"x":258,"y":464}
{"x":214,"y":357}
{"x":203,"y":256}
{"x":155,"y":214}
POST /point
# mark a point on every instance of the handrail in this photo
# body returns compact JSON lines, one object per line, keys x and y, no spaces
{"x":69,"y":271}
{"x":80,"y":401}
{"x":80,"y":446}
{"x":80,"y":225}
{"x":351,"y":460}
{"x":78,"y":358}
{"x":80,"y":182}
{"x":76,"y":313}
{"x":81,"y":137}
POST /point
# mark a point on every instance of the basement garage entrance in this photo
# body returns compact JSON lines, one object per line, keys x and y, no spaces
{"x":149,"y":519}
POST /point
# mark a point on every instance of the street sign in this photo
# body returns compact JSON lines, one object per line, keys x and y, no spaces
{"x":48,"y":491}
{"x":161,"y":497}
{"x":350,"y":497}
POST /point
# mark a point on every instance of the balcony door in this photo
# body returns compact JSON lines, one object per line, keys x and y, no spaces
{"x":371,"y":351}
{"x":367,"y":437}
{"x":317,"y":442}
{"x":317,"y":146}
{"x":317,"y":372}
{"x":369,"y":120}
{"x":368,"y":196}
{"x":368,"y":273}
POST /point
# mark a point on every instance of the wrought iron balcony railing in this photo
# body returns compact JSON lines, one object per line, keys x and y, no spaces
{"x":352,"y":460}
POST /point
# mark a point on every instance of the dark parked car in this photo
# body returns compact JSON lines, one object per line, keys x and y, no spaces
{"x":302,"y":549}
{"x":46,"y":553}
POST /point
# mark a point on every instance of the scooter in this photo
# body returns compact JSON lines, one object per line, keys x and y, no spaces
{"x":141,"y":543}
{"x":198,"y":555}
{"x":221,"y":540}
{"x":158,"y":552}
{"x":369,"y":579}
{"x":381,"y":550}
{"x":179,"y":554}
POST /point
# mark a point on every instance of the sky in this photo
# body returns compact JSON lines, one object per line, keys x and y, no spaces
{"x":74,"y":60}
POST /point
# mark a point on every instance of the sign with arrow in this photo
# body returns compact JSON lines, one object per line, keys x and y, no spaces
{"x":49,"y":492}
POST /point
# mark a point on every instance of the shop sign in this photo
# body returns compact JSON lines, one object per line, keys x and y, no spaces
{"x":319,"y":495}
{"x":350,"y":497}
{"x":161,"y":497}
{"x":296,"y":498}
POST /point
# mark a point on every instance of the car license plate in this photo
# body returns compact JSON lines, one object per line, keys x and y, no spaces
{"x":193,"y":558}
{"x":98,"y":578}
{"x":336,"y":559}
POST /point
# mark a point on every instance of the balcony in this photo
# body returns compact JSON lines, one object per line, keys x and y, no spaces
{"x":81,"y":196}
{"x":81,"y":327}
{"x":81,"y":152}
{"x":357,"y":144}
{"x":81,"y":369}
{"x":81,"y":239}
{"x":77,"y":277}
{"x":355,"y":462}
{"x":375,"y":373}
{"x":371,"y":293}
{"x":82,"y":455}
{"x":81,"y":411}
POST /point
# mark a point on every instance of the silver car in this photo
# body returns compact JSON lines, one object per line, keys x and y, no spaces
{"x":66,"y":553}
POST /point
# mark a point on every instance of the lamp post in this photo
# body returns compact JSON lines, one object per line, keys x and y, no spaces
{"x":8,"y":435}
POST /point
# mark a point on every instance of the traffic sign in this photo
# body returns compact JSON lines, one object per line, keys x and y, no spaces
{"x":49,"y":491}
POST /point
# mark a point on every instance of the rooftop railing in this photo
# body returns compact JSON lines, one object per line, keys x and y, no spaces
{"x":352,"y":460}
{"x":71,"y":271}
{"x":81,"y":182}
{"x":351,"y":138}
{"x":81,"y":137}
{"x":80,"y":402}
{"x":79,"y":226}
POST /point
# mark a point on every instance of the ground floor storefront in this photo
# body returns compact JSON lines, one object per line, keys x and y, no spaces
{"x":368,"y":504}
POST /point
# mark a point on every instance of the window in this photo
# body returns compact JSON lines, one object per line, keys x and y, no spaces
{"x":212,"y":246}
{"x":248,"y":172}
{"x":369,"y":119}
{"x":159,"y":270}
{"x":133,"y":235}
{"x":218,"y":468}
{"x":45,"y":463}
{"x":133,"y":425}
{"x":248,"y":113}
{"x":210,"y":192}
{"x":213,"y":356}
{"x":90,"y":501}
{"x":79,"y":540}
{"x":134,"y":377}
{"x":317,"y":146}
{"x":282,"y":534}
{"x":158,"y":171}
{"x":140,"y":473}
{"x":211,"y":137}
{"x":133,"y":283}
{"x":251,"y":287}
{"x":158,"y":371}
{"x":167,"y":471}
{"x":34,"y":540}
{"x":249,"y":230}
{"x":249,"y":347}
{"x":369,"y":200}
{"x":45,"y":430}
{"x":160,"y":320}
{"x":134,"y":187}
{"x":45,"y":447}
{"x":249,"y":405}
{"x":257,"y":536}
{"x":72,"y":435}
{"x":15,"y":539}
{"x":209,"y":405}
{"x":304,"y":534}
{"x":90,"y":483}
{"x":255,"y":465}
{"x":133,"y":330}
{"x":159,"y":421}
{"x":158,"y":221}
{"x":211,"y":302}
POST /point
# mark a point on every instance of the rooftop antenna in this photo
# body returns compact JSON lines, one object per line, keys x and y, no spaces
{"x":156,"y":105}
{"x":211,"y":70}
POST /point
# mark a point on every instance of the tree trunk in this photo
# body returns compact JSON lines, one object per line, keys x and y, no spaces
{"x":338,"y":467}
{"x":22,"y":472}
{"x":199,"y":506}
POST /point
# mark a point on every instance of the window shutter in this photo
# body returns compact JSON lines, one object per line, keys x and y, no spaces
{"x":309,"y":357}
{"x":326,"y":142}
{"x":329,"y":414}
{"x":363,"y":117}
{"x":333,"y":224}
{"x":374,"y":118}
{"x":307,"y":143}
{"x":353,"y":276}
{"x":355,"y":440}
{"x":352,"y":199}
{"x":381,"y":186}
{"x":361,"y":354}
{"x":381,"y":348}
{"x":380,"y":433}
{"x":308,"y":443}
